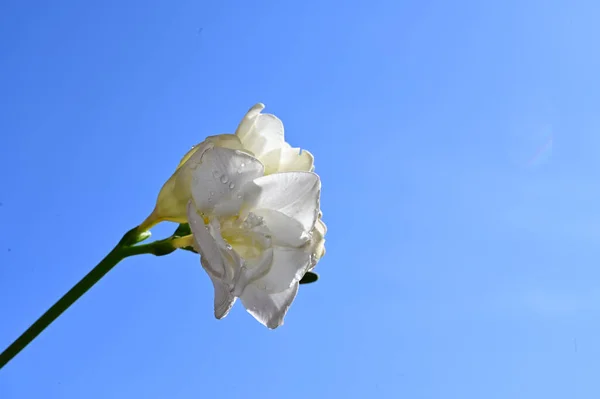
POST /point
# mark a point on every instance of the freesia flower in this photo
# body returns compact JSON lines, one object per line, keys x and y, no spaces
{"x":257,"y":235}
{"x":252,"y":203}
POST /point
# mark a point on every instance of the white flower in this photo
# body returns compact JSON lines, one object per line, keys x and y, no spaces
{"x":252,"y":203}
{"x":260,"y":135}
{"x":257,"y":235}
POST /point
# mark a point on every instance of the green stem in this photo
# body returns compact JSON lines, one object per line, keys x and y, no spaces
{"x":123,"y":249}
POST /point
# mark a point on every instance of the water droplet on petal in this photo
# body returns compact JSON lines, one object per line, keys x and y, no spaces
{"x":224,"y":179}
{"x":231,"y":185}
{"x":240,"y":168}
{"x":239,"y":196}
{"x":216,"y":174}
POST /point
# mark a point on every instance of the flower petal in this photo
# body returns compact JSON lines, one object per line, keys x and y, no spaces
{"x":224,"y":299}
{"x":248,"y":120}
{"x":295,"y":159}
{"x":288,"y":267}
{"x":175,"y":193}
{"x":318,"y":240}
{"x":221,"y":140}
{"x":221,"y":269}
{"x":219,"y":177}
{"x":252,"y":271}
{"x":260,"y":133}
{"x":268,"y":309}
{"x":287,"y":159}
{"x":212,"y":259}
{"x":295,"y":194}
{"x":283,"y":229}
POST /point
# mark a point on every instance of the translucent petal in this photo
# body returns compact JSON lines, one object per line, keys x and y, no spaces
{"x":212,"y":258}
{"x":175,"y":193}
{"x":218,"y":180}
{"x":224,"y":299}
{"x":295,"y":194}
{"x":288,"y":267}
{"x":268,"y":309}
{"x":220,"y":262}
{"x":260,"y":133}
{"x":284,"y":230}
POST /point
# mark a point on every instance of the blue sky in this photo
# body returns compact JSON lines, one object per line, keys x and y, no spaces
{"x":457,"y":144}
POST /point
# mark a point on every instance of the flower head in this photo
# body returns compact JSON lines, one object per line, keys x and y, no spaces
{"x":252,"y":203}
{"x":254,"y":232}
